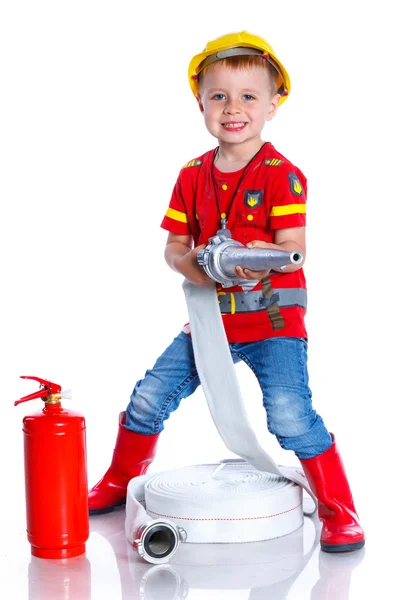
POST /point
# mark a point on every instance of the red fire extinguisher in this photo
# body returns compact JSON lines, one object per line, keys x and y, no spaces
{"x":55,"y":476}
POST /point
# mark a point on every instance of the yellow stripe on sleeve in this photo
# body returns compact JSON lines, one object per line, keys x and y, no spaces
{"x":176,"y":215}
{"x":289,"y":209}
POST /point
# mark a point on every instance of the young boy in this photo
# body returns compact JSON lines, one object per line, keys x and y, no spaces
{"x":260,"y":196}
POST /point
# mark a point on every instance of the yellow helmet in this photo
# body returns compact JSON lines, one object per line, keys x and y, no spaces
{"x":237,"y":44}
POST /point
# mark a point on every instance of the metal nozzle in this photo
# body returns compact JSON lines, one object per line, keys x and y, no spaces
{"x":221,"y":256}
{"x":157,"y":541}
{"x":296,"y":258}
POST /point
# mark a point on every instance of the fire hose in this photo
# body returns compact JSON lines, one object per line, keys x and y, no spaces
{"x":235,"y":501}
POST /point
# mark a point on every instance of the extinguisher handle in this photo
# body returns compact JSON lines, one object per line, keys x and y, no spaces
{"x":47,"y":389}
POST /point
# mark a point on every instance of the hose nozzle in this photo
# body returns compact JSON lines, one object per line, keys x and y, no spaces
{"x":156,"y":541}
{"x":220,"y":258}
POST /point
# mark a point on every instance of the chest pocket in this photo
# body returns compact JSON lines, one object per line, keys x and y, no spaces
{"x":246,"y":217}
{"x":251,"y":212}
{"x":251,"y":225}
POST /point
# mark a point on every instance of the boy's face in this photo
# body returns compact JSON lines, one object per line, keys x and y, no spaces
{"x":237,"y":103}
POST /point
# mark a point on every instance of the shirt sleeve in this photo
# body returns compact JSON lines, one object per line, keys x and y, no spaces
{"x":288,"y":199}
{"x":176,"y":218}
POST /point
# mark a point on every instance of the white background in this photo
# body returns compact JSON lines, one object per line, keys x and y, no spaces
{"x":97,"y":118}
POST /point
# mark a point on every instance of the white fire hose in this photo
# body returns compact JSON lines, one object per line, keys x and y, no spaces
{"x":234,"y":501}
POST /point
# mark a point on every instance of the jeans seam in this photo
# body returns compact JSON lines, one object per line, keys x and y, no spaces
{"x":251,"y":366}
{"x":170,"y":398}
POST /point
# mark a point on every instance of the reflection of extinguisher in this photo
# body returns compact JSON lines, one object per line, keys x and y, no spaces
{"x":60,"y":579}
{"x":55,"y":476}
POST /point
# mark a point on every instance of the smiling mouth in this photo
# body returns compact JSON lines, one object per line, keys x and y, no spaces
{"x":234,"y":125}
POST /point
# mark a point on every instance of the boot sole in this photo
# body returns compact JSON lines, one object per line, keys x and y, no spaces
{"x":334,"y":548}
{"x":106,"y":509}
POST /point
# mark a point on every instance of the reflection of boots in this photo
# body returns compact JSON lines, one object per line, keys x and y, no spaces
{"x":341,"y":530}
{"x":335,"y":575}
{"x":132,"y":455}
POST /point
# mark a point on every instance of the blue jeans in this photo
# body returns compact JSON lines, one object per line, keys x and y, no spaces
{"x":280,"y":365}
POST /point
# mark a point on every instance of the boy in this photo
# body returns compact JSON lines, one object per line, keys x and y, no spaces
{"x":250,"y":188}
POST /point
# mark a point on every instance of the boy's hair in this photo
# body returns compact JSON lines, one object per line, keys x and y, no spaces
{"x":244,"y":62}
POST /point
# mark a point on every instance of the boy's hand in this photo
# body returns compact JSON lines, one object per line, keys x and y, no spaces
{"x":182,"y":258}
{"x":188,"y":266}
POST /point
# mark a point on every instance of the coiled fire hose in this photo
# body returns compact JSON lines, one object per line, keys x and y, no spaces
{"x":235,"y":501}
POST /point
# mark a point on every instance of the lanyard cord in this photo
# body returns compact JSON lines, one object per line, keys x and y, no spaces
{"x":224,"y":221}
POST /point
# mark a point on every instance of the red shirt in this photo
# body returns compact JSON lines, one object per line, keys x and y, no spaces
{"x":271,"y":195}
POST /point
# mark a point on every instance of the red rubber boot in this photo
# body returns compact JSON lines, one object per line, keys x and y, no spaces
{"x":341,"y":530}
{"x":132,"y":455}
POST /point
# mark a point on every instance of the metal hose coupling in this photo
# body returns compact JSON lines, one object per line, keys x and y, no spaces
{"x":223,"y":254}
{"x":164,"y":580}
{"x":157,"y":540}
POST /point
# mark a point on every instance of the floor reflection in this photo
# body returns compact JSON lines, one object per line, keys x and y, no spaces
{"x":269,"y":567}
{"x":60,"y":579}
{"x":262,"y":569}
{"x":335,"y":575}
